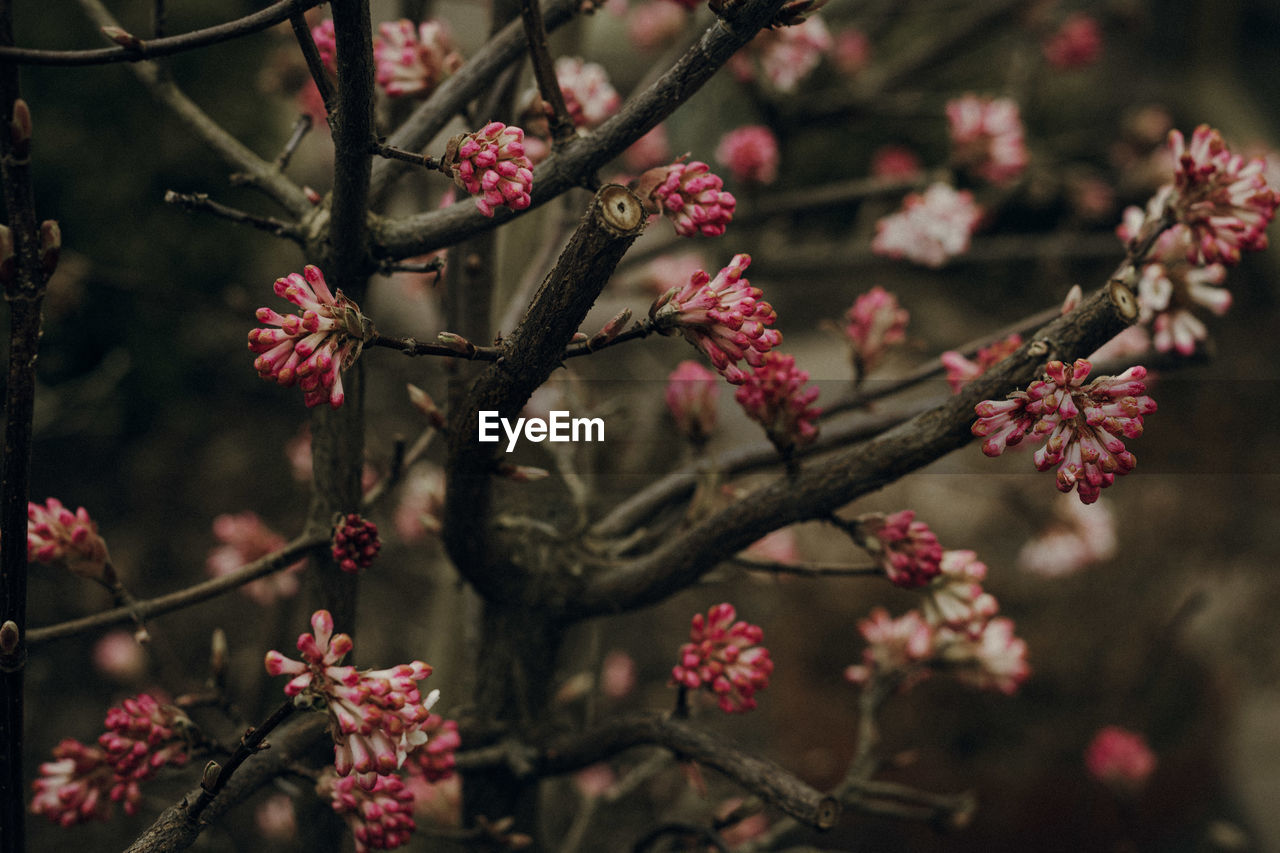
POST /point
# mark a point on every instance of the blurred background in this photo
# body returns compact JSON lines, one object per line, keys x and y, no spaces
{"x":150,"y":415}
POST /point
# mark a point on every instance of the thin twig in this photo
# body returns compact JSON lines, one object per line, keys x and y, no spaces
{"x":315,"y":65}
{"x":200,"y":202}
{"x":808,"y":570}
{"x":154,"y":48}
{"x":250,"y":744}
{"x":300,"y":129}
{"x":562,"y":128}
{"x":392,"y":153}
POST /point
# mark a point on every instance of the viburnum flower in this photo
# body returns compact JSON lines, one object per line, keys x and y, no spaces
{"x":653,"y":24}
{"x":930,"y":228}
{"x":726,"y":657}
{"x":961,"y":371}
{"x":1083,"y":424}
{"x":588,"y":94}
{"x":421,"y":505}
{"x":142,"y":736}
{"x":1223,"y":200}
{"x":986,"y":137}
{"x":990,"y":658}
{"x":750,"y":153}
{"x":1077,"y":536}
{"x":906,"y":549}
{"x":311,"y":349}
{"x":852,"y":51}
{"x":1075,"y":44}
{"x":435,"y":760}
{"x":1170,"y":286}
{"x":246,"y":538}
{"x":898,"y":647}
{"x":1120,"y":759}
{"x":690,"y":196}
{"x":955,"y":598}
{"x":414,"y":61}
{"x":873,"y":323}
{"x":380,"y":817}
{"x":377,"y":717}
{"x":774,"y":396}
{"x":491,"y":165}
{"x":691,"y":397}
{"x":59,"y":537}
{"x":725,"y":317}
{"x":786,"y":55}
{"x":76,"y":786}
{"x":895,"y":163}
{"x":327,"y":44}
{"x":355,"y":543}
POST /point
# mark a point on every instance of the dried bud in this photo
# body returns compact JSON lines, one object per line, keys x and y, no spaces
{"x":50,"y":246}
{"x":124,"y":38}
{"x":312,"y":196}
{"x":457,"y":343}
{"x":209,"y":778}
{"x":10,"y":636}
{"x":218,"y":652}
{"x":20,"y":129}
{"x":612,"y":329}
{"x":522,"y":473}
{"x":422,"y":401}
{"x":579,"y":338}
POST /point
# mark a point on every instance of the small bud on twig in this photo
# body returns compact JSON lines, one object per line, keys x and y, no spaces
{"x":457,"y":343}
{"x":611,"y":329}
{"x":20,"y":129}
{"x":579,"y":338}
{"x":218,"y":652}
{"x":209,"y":778}
{"x":312,"y":196}
{"x":422,"y":401}
{"x":123,"y":38}
{"x":9,"y":637}
{"x":522,"y":473}
{"x":50,"y":246}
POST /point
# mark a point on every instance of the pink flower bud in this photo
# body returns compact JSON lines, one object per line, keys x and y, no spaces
{"x":725,"y":657}
{"x":1120,"y":759}
{"x":691,"y":398}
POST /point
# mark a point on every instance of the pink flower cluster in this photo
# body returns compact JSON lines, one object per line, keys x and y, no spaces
{"x":81,"y":783}
{"x":311,"y":349}
{"x":246,"y":538}
{"x":377,"y":717}
{"x":750,"y":153}
{"x":491,"y":165}
{"x":873,"y":323}
{"x":380,"y":817}
{"x":961,"y":371}
{"x":1075,"y":44}
{"x":355,"y":543}
{"x":690,"y":196}
{"x":905,"y":548}
{"x":691,"y":397}
{"x":725,"y":317}
{"x":414,"y":61}
{"x":930,"y":228}
{"x":1083,"y":425}
{"x":326,"y":40}
{"x":986,"y":137}
{"x":1077,"y":536}
{"x":588,"y":94}
{"x":786,"y":55}
{"x":1120,"y":759}
{"x":724,"y":656}
{"x":435,"y":761}
{"x":59,"y":537}
{"x":774,"y":396}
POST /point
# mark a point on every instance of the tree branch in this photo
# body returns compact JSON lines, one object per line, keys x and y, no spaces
{"x":562,"y":129}
{"x":154,"y":48}
{"x":818,"y":491}
{"x":200,"y":202}
{"x":585,"y":154}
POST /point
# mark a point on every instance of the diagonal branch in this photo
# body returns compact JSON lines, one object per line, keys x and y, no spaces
{"x":154,"y":48}
{"x":818,"y":490}
{"x":584,"y":155}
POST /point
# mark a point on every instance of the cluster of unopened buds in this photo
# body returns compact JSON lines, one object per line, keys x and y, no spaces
{"x":377,"y":717}
{"x":873,"y":323}
{"x":750,"y":153}
{"x":311,"y":349}
{"x":409,"y":60}
{"x":492,"y":166}
{"x":588,"y":95}
{"x":1084,"y":426}
{"x":690,"y":195}
{"x":57,"y":536}
{"x":956,"y":631}
{"x":774,"y":395}
{"x":725,"y":656}
{"x":906,"y":549}
{"x":380,"y":817}
{"x":931,"y":227}
{"x":355,"y":543}
{"x":725,"y":317}
{"x":142,"y":735}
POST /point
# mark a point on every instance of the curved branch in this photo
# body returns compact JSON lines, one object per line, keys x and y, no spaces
{"x":155,"y":48}
{"x":286,"y":556}
{"x":772,"y":783}
{"x":818,"y":490}
{"x":564,"y":169}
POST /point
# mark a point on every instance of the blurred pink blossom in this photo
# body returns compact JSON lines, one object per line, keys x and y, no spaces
{"x":1075,"y":44}
{"x":931,"y":227}
{"x":986,"y":137}
{"x":1120,"y":759}
{"x":750,"y":153}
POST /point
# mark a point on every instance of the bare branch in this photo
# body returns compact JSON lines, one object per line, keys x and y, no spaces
{"x":315,"y":65}
{"x":260,"y":20}
{"x":562,"y":129}
{"x":200,"y":202}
